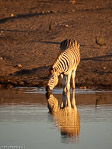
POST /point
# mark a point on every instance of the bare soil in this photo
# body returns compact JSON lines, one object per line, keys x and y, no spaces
{"x":29,"y":45}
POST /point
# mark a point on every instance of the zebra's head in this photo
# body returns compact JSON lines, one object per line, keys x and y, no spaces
{"x":53,"y":80}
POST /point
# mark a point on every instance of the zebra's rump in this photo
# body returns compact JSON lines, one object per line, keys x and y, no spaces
{"x":67,"y":43}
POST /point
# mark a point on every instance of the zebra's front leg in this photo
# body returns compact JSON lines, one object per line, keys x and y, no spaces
{"x":64,"y":81}
{"x":68,"y":82}
{"x":73,"y":78}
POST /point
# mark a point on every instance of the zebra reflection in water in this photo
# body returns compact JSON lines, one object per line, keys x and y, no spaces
{"x":66,"y":115}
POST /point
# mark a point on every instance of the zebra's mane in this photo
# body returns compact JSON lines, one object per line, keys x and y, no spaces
{"x":66,"y":44}
{"x":51,"y":67}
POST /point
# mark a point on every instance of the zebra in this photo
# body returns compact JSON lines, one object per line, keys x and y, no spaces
{"x":66,"y":114}
{"x":65,"y":64}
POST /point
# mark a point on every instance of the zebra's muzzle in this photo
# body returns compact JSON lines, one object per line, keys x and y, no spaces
{"x":48,"y":89}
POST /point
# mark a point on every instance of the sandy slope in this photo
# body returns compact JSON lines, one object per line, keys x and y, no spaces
{"x":25,"y":39}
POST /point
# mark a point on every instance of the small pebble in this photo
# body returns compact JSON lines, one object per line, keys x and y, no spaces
{"x":51,"y":26}
{"x":100,"y":41}
{"x":9,"y":81}
{"x":73,"y":2}
{"x":12,"y":15}
{"x":1,"y":32}
{"x":10,"y":86}
{"x":66,"y":25}
{"x":1,"y":58}
{"x":19,"y":65}
{"x":104,"y":68}
{"x":21,"y":83}
{"x":83,"y":87}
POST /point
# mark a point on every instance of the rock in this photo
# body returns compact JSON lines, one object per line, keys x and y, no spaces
{"x":104,"y":68}
{"x":1,"y":32}
{"x":19,"y":65}
{"x":66,"y":25}
{"x":100,"y":41}
{"x":73,"y":2}
{"x":51,"y":26}
{"x":12,"y":15}
{"x":83,"y":87}
{"x":1,"y":58}
{"x":21,"y":83}
{"x":9,"y":86}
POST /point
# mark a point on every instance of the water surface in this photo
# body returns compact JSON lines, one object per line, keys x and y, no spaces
{"x":25,"y":120}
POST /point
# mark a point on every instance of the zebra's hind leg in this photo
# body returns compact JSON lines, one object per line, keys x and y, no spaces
{"x":73,"y":102}
{"x":73,"y":78}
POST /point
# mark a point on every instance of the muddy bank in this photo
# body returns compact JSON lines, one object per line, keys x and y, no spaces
{"x":28,"y":45}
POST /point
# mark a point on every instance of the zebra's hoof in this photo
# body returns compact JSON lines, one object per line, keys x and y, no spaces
{"x":66,"y":89}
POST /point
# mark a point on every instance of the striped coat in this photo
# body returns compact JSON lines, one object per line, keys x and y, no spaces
{"x":66,"y":64}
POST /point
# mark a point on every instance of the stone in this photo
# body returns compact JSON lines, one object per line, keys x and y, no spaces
{"x":19,"y":65}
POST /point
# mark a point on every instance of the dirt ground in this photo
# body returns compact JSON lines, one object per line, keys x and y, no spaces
{"x":30,"y":36}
